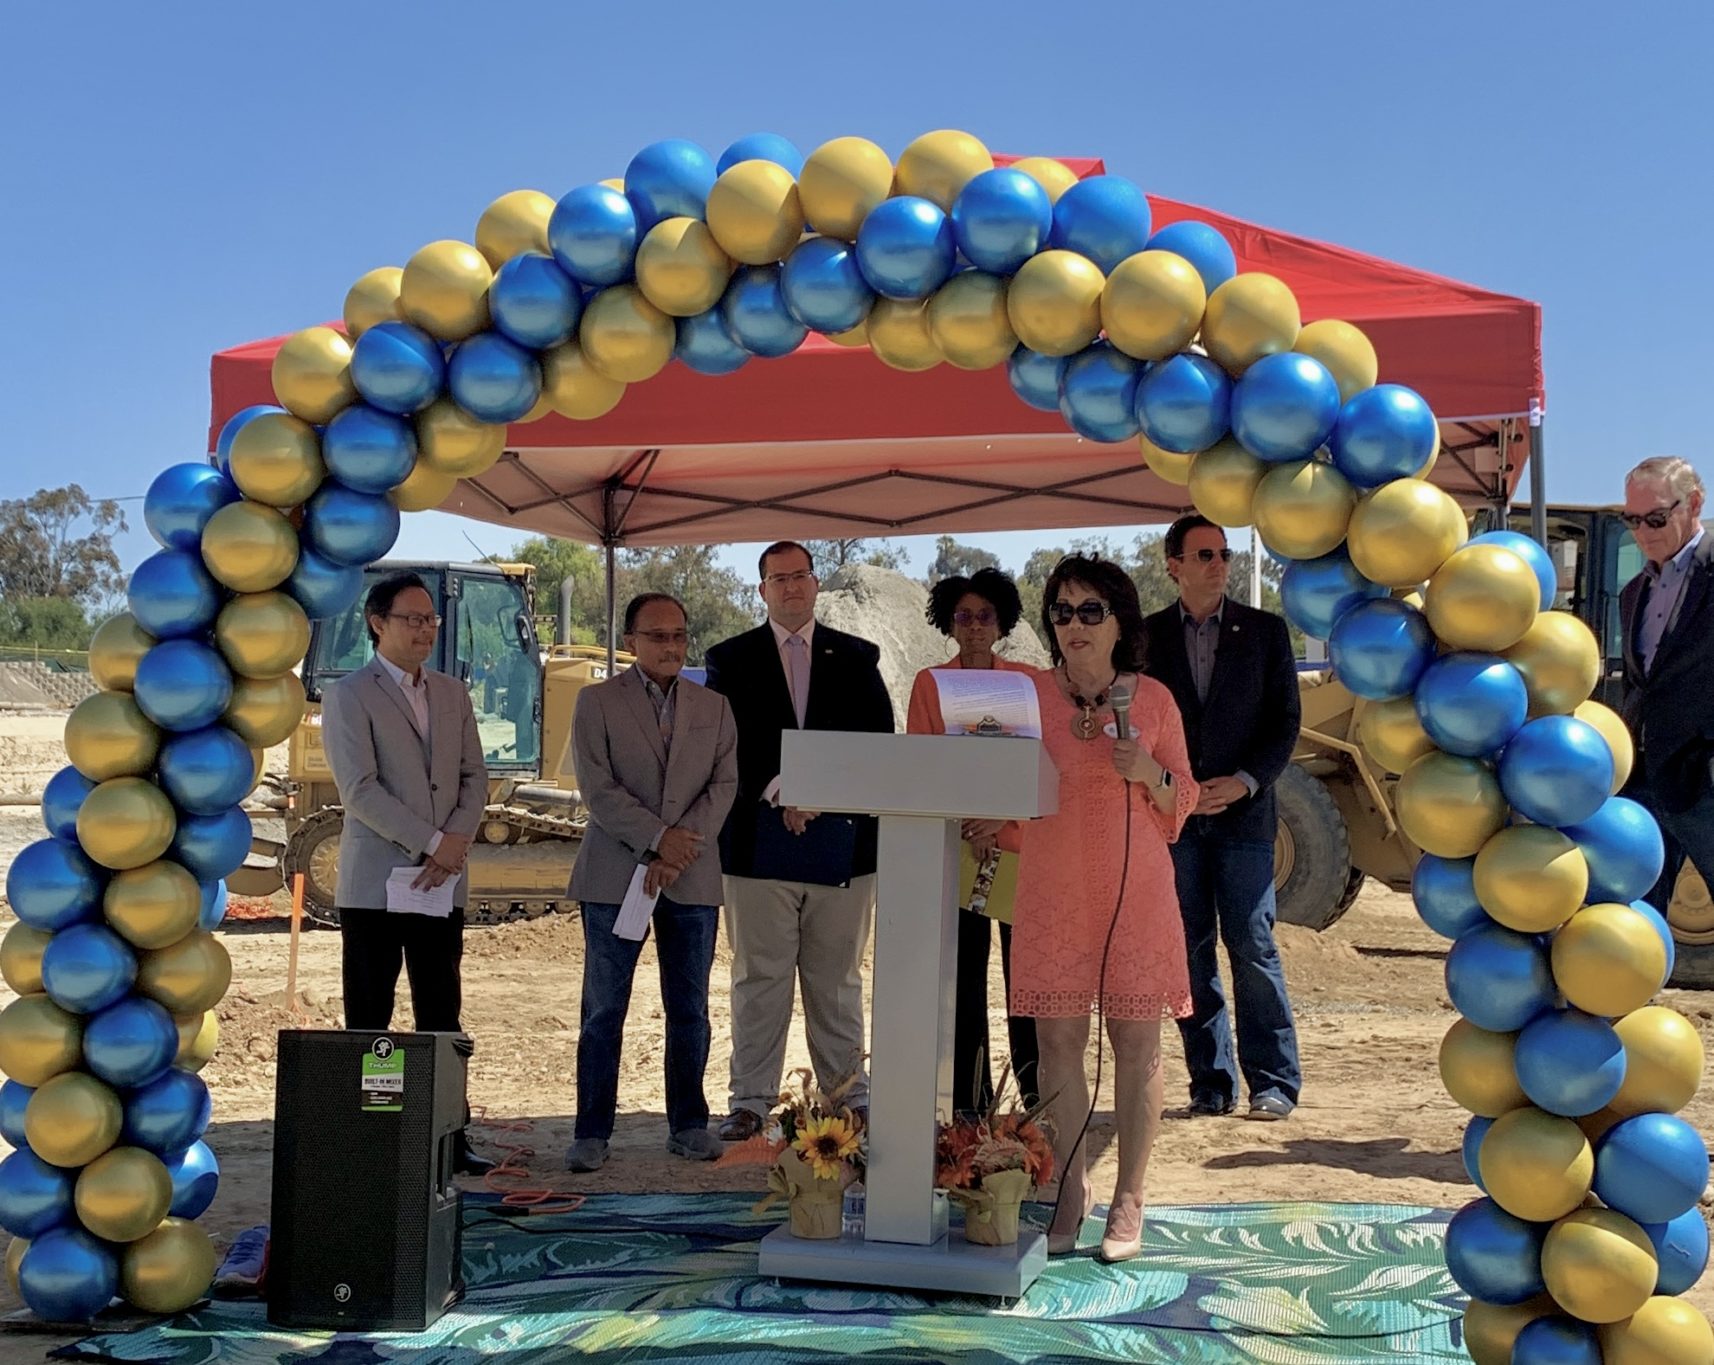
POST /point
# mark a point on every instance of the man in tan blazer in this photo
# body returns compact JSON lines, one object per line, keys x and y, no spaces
{"x":656,"y":758}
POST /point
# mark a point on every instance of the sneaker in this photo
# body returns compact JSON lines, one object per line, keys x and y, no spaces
{"x":1202,"y":1107}
{"x":694,"y":1144}
{"x":740,"y":1125}
{"x":1270,"y":1108}
{"x":586,"y":1154}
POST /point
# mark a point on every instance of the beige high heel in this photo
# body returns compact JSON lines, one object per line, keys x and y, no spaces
{"x":1115,"y":1247}
{"x":1064,"y":1243}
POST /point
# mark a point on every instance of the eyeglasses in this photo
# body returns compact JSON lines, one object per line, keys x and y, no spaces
{"x":1655,"y":520}
{"x":664,"y":637}
{"x":781,"y":580}
{"x":1206,"y":556}
{"x":1090,"y":613}
{"x":414,"y":619}
{"x":984,"y":617}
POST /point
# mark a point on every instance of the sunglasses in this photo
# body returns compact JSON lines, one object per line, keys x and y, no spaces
{"x":1655,"y":520}
{"x":1091,"y":613}
{"x":983,"y":617}
{"x":1224,"y":554}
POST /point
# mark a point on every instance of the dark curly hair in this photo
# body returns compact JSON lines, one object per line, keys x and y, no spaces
{"x":992,"y":586}
{"x":1113,"y":584}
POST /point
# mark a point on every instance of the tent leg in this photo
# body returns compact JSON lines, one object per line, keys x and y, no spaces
{"x":612,"y":616}
{"x":1538,"y":477}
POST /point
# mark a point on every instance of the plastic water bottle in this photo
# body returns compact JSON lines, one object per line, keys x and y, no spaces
{"x":851,"y":1211}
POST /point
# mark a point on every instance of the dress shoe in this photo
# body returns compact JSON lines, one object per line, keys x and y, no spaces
{"x":586,"y":1154}
{"x":1270,"y":1108}
{"x":740,"y":1125}
{"x":471,"y":1164}
{"x":1202,"y":1107}
{"x":1123,"y":1238}
{"x":694,"y":1144}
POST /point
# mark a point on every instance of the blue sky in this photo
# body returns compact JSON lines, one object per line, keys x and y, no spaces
{"x":180,"y":178}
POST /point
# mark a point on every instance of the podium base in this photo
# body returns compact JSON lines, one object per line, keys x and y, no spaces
{"x":948,"y":1266}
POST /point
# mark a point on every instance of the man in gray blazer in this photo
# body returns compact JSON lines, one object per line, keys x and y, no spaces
{"x":656,"y":758}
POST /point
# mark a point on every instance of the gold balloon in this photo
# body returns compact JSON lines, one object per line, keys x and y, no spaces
{"x":153,"y":906}
{"x":936,"y":166}
{"x":114,"y":651}
{"x":262,"y":633}
{"x":72,"y":1119}
{"x":1166,"y":464}
{"x":1346,"y":352}
{"x":107,"y":735}
{"x":1401,"y":532}
{"x":1055,"y":302}
{"x":15,"y":1250}
{"x":1611,"y":728}
{"x":444,"y":290}
{"x":1250,"y":316}
{"x":187,"y":976}
{"x":1531,"y":878}
{"x":1664,"y":1331}
{"x":1599,"y":1265}
{"x":840,"y":182}
{"x":899,"y":335}
{"x":755,"y":213}
{"x":968,"y":323}
{"x":123,"y":1195}
{"x":312,"y":374}
{"x":1560,"y":661}
{"x":451,"y":441}
{"x":21,"y":957}
{"x":199,"y":1036}
{"x":1663,"y":1062}
{"x":1536,"y":1165}
{"x":373,"y":299}
{"x":514,"y":223}
{"x":1476,"y":1067}
{"x":126,"y":822}
{"x":1152,"y":304}
{"x":422,"y":489}
{"x":853,"y":337}
{"x":265,"y":711}
{"x":1608,"y":960}
{"x":276,"y":459}
{"x":541,"y":409}
{"x":169,"y":1269}
{"x":1053,"y":176}
{"x":1302,"y":508}
{"x":1391,"y":733}
{"x":575,"y":387}
{"x":259,"y":762}
{"x":1223,"y":482}
{"x":615,"y":183}
{"x":38,"y":1040}
{"x":681,"y":268}
{"x":249,"y":547}
{"x":625,"y":336}
{"x":1449,"y":806}
{"x":1483,"y":597}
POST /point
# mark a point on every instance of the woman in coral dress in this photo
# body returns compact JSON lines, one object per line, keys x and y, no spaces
{"x":1097,"y":922}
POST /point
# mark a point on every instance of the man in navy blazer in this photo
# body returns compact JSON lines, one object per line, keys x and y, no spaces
{"x":1232,"y":672}
{"x":793,"y":672}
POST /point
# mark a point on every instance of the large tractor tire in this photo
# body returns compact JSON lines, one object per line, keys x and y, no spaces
{"x":1314,"y":882}
{"x":314,"y":851}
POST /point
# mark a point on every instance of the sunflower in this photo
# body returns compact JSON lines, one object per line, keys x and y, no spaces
{"x":825,"y":1143}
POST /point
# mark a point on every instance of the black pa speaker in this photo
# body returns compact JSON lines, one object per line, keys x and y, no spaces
{"x":366,"y":1229}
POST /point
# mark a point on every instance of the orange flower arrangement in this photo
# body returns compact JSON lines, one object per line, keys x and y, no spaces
{"x":988,"y":1162}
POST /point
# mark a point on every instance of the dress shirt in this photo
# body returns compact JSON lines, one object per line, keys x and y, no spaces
{"x":1201,"y":646}
{"x":807,"y":634}
{"x":417,"y":702}
{"x":665,"y":704}
{"x":1665,"y":588}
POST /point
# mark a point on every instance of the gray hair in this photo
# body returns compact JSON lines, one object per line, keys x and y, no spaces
{"x":1674,"y":474}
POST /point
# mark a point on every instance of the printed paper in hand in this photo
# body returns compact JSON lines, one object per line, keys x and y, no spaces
{"x":636,"y":909}
{"x":988,"y":701}
{"x":405,"y":899}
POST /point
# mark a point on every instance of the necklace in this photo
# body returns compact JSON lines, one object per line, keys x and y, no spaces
{"x":1083,"y":724}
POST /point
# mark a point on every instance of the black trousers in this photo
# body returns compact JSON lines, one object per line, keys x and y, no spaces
{"x":972,"y":1073}
{"x":377,"y":943}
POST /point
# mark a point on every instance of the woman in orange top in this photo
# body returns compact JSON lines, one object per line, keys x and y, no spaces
{"x":977,"y":612}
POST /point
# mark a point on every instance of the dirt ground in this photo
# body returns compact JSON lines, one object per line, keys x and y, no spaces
{"x":1374,"y":1125}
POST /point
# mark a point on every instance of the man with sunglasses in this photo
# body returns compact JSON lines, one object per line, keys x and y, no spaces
{"x":1232,"y":672}
{"x":1667,"y":615}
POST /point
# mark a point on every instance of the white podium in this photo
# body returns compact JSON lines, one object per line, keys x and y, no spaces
{"x":920,"y":786}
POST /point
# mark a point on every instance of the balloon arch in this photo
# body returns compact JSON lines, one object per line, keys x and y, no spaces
{"x":1478,"y":693}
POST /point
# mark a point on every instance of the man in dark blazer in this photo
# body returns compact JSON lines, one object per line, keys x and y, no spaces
{"x":794,"y":911}
{"x":1667,"y":615}
{"x":1231,"y":670}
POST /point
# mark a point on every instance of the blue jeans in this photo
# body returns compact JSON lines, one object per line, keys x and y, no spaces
{"x":684,"y":943}
{"x":1226,"y":892}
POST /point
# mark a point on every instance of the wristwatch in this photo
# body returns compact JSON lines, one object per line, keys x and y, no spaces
{"x":1165,"y":784}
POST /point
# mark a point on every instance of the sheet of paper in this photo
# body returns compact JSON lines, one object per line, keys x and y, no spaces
{"x":988,"y":701}
{"x":405,"y":899}
{"x":635,"y":910}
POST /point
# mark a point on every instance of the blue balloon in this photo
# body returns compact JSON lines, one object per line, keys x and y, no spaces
{"x":669,"y":179}
{"x":1000,"y":219}
{"x":906,"y":248}
{"x":1034,"y":377}
{"x":593,"y":234}
{"x":494,"y":379}
{"x":213,"y":905}
{"x":1098,"y":393}
{"x":130,"y":1043}
{"x":182,"y":499}
{"x":1474,"y":1132}
{"x":823,"y":287}
{"x":171,"y":594}
{"x":62,"y":798}
{"x":706,"y":345}
{"x":1471,"y":704}
{"x":398,"y":368}
{"x":1184,"y":404}
{"x":1203,"y":246}
{"x":1622,"y":845}
{"x":369,"y":450}
{"x":223,"y":443}
{"x":14,"y":1098}
{"x":53,"y":884}
{"x":1557,"y":770}
{"x":1384,"y":433}
{"x":1531,"y":553}
{"x":323,"y":588}
{"x":1681,"y":1246}
{"x":183,"y":685}
{"x":348,"y":527}
{"x":87,"y":967}
{"x":34,"y":1196}
{"x":67,"y":1275}
{"x":1379,"y":648}
{"x":1444,"y":891}
{"x":1494,"y":1256}
{"x":207,"y":770}
{"x":167,"y":1114}
{"x":196,"y":1176}
{"x":1652,"y":1167}
{"x":212,"y":846}
{"x":756,"y":314}
{"x":1105,"y":218}
{"x":1499,"y":979}
{"x":1556,"y":1340}
{"x":762,"y":147}
{"x":1570,"y":1063}
{"x":1661,"y":927}
{"x":534,"y":302}
{"x":1315,"y":593}
{"x":1284,"y":407}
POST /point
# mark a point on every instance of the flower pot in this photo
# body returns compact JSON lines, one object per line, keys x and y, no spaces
{"x":814,"y":1205}
{"x":991,"y":1213}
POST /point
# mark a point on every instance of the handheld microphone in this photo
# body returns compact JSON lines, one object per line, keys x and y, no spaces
{"x":1120,"y":700}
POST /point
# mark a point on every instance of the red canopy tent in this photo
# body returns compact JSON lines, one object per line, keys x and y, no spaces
{"x":829,"y":442}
